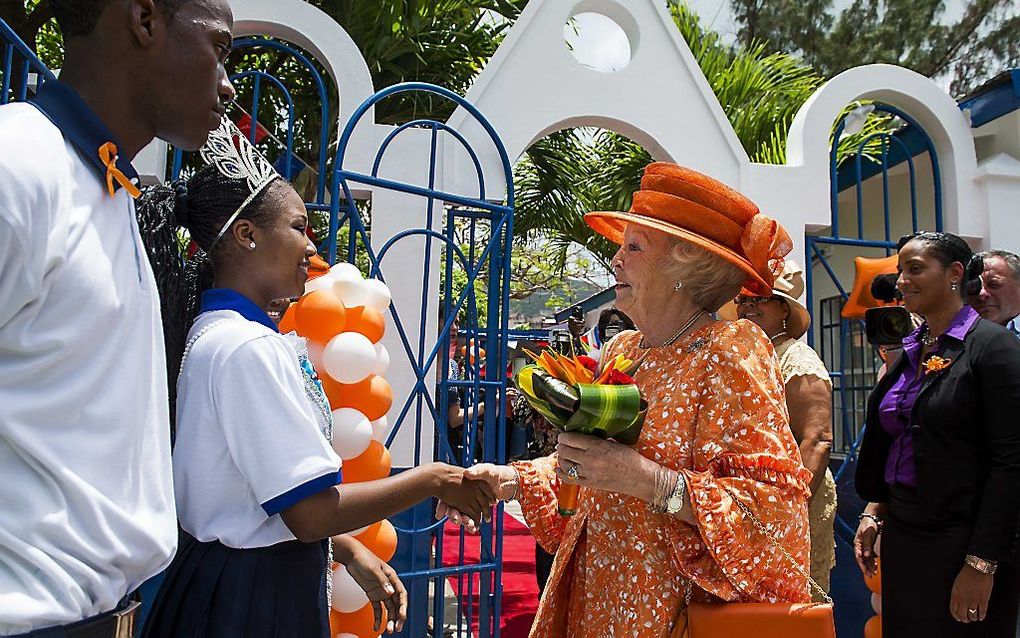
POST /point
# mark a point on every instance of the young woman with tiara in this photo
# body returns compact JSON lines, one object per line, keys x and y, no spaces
{"x":258,"y":486}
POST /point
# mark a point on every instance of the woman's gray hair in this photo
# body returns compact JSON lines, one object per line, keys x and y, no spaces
{"x":708,"y":279}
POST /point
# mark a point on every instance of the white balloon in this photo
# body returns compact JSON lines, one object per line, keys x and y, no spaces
{"x":382,"y":360}
{"x":344,"y":271}
{"x":876,"y":603}
{"x":377,"y":295}
{"x":352,"y":292}
{"x":349,"y":357}
{"x":348,"y":596}
{"x":352,"y":432}
{"x":319,"y":283}
{"x":380,"y":428}
{"x":315,"y":352}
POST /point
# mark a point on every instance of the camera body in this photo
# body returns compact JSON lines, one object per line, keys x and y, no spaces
{"x":887,"y":325}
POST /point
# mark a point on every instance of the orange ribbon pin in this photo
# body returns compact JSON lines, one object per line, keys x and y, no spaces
{"x":108,"y":155}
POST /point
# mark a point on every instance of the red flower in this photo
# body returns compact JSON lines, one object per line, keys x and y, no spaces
{"x":591,"y":364}
{"x":618,"y":378}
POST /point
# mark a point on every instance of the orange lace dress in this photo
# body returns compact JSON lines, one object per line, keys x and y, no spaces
{"x":717,"y":413}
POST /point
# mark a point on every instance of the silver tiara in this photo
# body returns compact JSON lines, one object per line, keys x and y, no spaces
{"x":229,"y":150}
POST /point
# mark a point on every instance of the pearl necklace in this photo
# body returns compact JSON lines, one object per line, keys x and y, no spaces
{"x":683,"y":329}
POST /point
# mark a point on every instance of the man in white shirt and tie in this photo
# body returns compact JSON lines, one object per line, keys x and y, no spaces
{"x":999,"y":299}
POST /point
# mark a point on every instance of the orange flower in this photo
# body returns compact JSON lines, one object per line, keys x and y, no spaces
{"x":936,"y":364}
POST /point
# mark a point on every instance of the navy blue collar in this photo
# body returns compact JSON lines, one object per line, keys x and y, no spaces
{"x":229,"y":299}
{"x":81,"y":126}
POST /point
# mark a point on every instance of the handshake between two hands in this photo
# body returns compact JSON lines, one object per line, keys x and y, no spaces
{"x":468,"y":496}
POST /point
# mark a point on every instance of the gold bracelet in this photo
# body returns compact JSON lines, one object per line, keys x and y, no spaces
{"x":980,"y":564}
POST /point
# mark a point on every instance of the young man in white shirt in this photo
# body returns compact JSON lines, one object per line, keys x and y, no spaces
{"x":86,"y":493}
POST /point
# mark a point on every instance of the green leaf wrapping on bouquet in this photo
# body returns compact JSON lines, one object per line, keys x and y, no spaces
{"x":609,"y":411}
{"x":606,"y":411}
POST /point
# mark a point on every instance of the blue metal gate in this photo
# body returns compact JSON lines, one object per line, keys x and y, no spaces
{"x":852,"y":362}
{"x":21,"y":70}
{"x":486,"y":225}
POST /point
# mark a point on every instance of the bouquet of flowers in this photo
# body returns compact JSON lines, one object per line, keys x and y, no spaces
{"x":573,"y":395}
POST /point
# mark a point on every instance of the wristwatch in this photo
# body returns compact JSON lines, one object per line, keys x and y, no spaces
{"x":675,"y":502}
{"x":980,"y":564}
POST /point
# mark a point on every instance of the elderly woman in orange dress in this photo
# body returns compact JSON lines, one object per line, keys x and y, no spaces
{"x":658,"y":518}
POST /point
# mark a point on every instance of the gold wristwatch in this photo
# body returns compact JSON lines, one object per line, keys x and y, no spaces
{"x":675,"y":502}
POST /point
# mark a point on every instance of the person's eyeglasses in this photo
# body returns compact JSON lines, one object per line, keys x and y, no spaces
{"x":744,"y":299}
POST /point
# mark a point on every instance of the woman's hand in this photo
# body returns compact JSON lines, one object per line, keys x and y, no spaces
{"x":500,"y":479}
{"x":864,"y":546}
{"x":971,"y":591}
{"x":474,"y":497}
{"x":377,"y":578}
{"x":604,"y":465}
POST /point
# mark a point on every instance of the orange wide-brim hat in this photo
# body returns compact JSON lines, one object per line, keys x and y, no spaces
{"x":704,"y":211}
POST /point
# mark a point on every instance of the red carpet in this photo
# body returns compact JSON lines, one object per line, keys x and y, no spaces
{"x":520,"y":591}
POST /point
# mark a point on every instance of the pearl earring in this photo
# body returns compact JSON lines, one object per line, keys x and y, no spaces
{"x":251,"y":246}
{"x":784,"y":325}
{"x":953,"y":285}
{"x":678,"y":286}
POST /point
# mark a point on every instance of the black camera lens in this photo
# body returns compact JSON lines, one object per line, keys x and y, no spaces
{"x":887,"y":326}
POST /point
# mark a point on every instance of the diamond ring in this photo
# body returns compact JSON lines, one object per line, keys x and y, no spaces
{"x":572,"y":472}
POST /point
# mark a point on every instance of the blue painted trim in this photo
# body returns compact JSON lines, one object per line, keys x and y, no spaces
{"x":291,"y":497}
{"x":230,"y":299}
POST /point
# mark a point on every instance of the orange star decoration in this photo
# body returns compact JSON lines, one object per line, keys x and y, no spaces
{"x":860,"y":298}
{"x":936,"y":364}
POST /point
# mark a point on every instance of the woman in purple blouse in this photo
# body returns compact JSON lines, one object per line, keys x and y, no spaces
{"x":940,"y":460}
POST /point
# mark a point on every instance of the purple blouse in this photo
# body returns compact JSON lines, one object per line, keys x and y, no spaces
{"x":894,"y":411}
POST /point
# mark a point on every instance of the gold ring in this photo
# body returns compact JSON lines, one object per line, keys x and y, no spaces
{"x":572,"y":472}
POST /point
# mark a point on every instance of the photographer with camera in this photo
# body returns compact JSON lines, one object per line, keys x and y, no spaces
{"x":999,"y":297}
{"x":940,"y":459}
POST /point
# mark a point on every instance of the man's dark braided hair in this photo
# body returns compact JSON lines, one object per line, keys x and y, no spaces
{"x":201,"y":204}
{"x":80,"y":17}
{"x":947,"y":249}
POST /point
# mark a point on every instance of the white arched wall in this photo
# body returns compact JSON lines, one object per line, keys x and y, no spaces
{"x":661,"y":99}
{"x":964,"y":209}
{"x":308,"y":27}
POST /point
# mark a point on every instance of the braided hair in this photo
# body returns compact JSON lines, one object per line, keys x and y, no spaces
{"x":947,"y":249}
{"x":202,"y":205}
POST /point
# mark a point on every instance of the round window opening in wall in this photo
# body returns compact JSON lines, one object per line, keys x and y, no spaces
{"x":597,"y":42}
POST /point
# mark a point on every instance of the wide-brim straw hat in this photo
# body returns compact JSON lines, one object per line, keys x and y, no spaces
{"x":694,"y":207}
{"x":789,"y":287}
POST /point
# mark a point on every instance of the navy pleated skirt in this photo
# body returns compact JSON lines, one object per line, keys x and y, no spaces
{"x":212,"y":590}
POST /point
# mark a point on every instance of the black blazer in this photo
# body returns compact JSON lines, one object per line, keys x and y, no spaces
{"x":966,"y":435}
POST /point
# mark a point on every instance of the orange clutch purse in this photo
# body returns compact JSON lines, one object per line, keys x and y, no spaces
{"x":760,"y":620}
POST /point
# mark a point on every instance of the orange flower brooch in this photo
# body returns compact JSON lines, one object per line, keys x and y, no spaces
{"x":936,"y":364}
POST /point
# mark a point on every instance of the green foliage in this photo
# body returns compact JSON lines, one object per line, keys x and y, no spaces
{"x":967,"y":50}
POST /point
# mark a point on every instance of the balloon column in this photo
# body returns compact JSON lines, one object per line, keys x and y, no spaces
{"x":873,"y":628}
{"x":341,"y":316}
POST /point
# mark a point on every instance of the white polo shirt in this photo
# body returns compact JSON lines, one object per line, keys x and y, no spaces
{"x":249,"y":441}
{"x":86,"y":499}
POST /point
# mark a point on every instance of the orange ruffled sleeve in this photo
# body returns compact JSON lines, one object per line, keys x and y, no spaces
{"x":537,"y":496}
{"x":743,"y":449}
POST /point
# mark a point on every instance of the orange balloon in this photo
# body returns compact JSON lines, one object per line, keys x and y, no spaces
{"x":320,"y":316}
{"x":333,"y":389}
{"x":380,"y":539}
{"x":873,"y":628}
{"x":317,"y":267}
{"x":359,"y":622}
{"x":367,"y":321}
{"x":860,"y":298}
{"x":874,"y":583}
{"x":287,"y":323}
{"x":373,"y":397}
{"x":371,"y":465}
